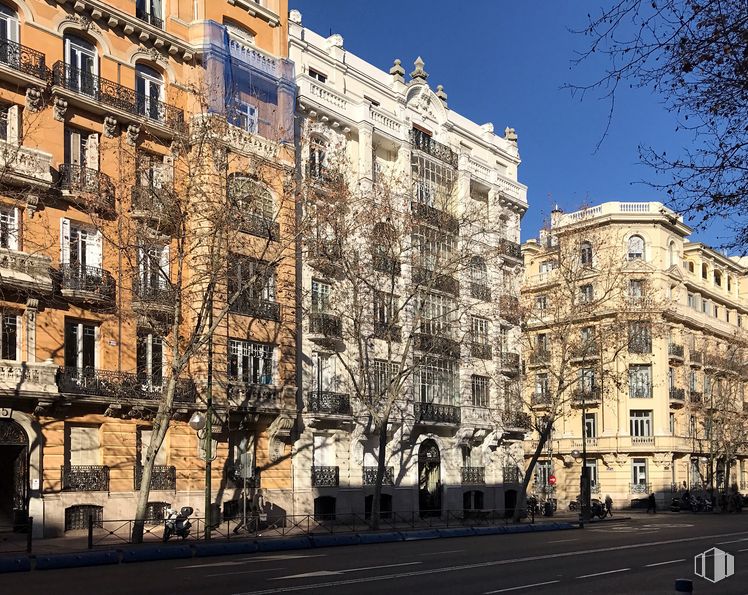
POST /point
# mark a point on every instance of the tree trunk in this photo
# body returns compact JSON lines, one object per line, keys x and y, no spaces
{"x":522,"y":496}
{"x":160,"y":426}
{"x":381,"y":460}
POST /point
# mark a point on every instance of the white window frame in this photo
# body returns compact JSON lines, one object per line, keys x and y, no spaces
{"x":9,"y":227}
{"x":256,"y":354}
{"x":641,"y":423}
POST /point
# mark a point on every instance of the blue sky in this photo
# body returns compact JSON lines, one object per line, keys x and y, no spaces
{"x":505,"y":62}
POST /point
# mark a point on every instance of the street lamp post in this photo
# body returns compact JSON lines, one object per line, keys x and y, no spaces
{"x":584,"y":477}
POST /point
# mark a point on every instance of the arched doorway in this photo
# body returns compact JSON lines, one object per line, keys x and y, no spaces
{"x":14,"y":475}
{"x":429,"y":479}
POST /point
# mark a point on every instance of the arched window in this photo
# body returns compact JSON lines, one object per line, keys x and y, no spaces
{"x":478,"y":271}
{"x":8,"y":32}
{"x":636,"y":247}
{"x":585,"y":253}
{"x":249,"y":195}
{"x":81,"y":65}
{"x":672,"y":256}
{"x":149,"y":85}
{"x":239,"y":37}
{"x":317,"y":155}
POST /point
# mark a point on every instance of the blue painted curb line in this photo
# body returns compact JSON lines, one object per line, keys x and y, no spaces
{"x":201,"y":550}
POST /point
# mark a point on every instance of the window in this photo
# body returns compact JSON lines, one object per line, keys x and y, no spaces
{"x":693,"y":301}
{"x":592,"y":471}
{"x":479,"y":330}
{"x":704,"y":270}
{"x":9,"y":337}
{"x":585,"y":253}
{"x":718,"y":278}
{"x":80,"y":345}
{"x":149,"y":86}
{"x":151,"y":172}
{"x":145,"y":435}
{"x":639,"y":472}
{"x":587,"y":380}
{"x":76,"y":147}
{"x":705,"y":306}
{"x":672,"y":423}
{"x":320,"y":296}
{"x":82,"y":66}
{"x":547,"y":266}
{"x":542,"y":388}
{"x":437,"y":315}
{"x":716,"y":311}
{"x":150,"y":359}
{"x":640,"y":381}
{"x":587,"y":342}
{"x":9,"y":227}
{"x":153,"y":270}
{"x":437,"y":380}
{"x":385,"y":309}
{"x":478,"y":271}
{"x":541,"y":343}
{"x":433,"y":182}
{"x":250,"y":362}
{"x":640,"y":337}
{"x":383,"y":374}
{"x":590,"y":425}
{"x":479,"y":386}
{"x":83,"y":446}
{"x":324,"y":376}
{"x":672,"y":255}
{"x":4,"y":109}
{"x":252,"y":279}
{"x":693,"y":381}
{"x":150,"y":11}
{"x":636,"y":247}
{"x":541,"y":304}
{"x":244,"y":116}
{"x":542,"y":473}
{"x":317,"y":155}
{"x":8,"y":32}
{"x":691,"y":426}
{"x":671,"y":377}
{"x":317,"y":75}
{"x":640,"y":423}
{"x":636,"y":288}
{"x":586,"y":294}
{"x":435,"y":248}
{"x":248,"y":195}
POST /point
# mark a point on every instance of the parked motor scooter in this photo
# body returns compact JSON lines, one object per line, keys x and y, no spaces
{"x":597,"y":509}
{"x":177,"y":523}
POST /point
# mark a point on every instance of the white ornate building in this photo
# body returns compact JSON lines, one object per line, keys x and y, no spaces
{"x":443,"y":454}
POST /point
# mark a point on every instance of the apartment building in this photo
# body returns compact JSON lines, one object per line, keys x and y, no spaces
{"x":658,"y":403}
{"x":96,"y":101}
{"x":390,"y":176}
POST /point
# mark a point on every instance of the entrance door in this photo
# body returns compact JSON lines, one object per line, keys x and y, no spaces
{"x":429,"y":479}
{"x":510,"y":503}
{"x":14,"y":475}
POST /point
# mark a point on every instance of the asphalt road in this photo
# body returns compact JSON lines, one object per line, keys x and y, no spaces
{"x":643,"y":555}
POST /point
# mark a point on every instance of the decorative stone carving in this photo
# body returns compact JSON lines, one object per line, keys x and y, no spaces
{"x":32,"y":203}
{"x":34,"y":99}
{"x":110,"y":126}
{"x":279,"y":431}
{"x":419,"y":73}
{"x":397,"y":71}
{"x":614,"y":460}
{"x":60,"y":106}
{"x":153,"y":54}
{"x":441,"y":94}
{"x":133,"y":133}
{"x":295,"y":16}
{"x":113,"y":410}
{"x":42,"y":408}
{"x":83,"y":21}
{"x":568,"y":460}
{"x":335,"y":40}
{"x":510,"y":134}
{"x":663,"y":459}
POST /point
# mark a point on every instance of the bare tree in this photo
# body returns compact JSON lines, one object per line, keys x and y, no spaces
{"x":589,"y":306}
{"x":693,"y":54}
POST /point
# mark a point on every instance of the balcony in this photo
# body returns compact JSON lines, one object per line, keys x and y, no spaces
{"x":481,"y":351}
{"x":324,"y":255}
{"x":642,"y":441}
{"x":88,"y":189}
{"x":328,"y":402}
{"x":473,"y":475}
{"x":696,"y":358}
{"x":324,"y":178}
{"x":509,"y":308}
{"x":640,"y":488}
{"x":85,"y":478}
{"x":438,"y":344}
{"x":511,"y":474}
{"x":87,"y":284}
{"x":540,"y":357}
{"x":24,"y":166}
{"x":426,"y":144}
{"x":255,"y":307}
{"x":436,"y":413}
{"x":695,"y":397}
{"x":383,"y":263}
{"x":509,"y":363}
{"x":247,"y":396}
{"x":640,"y":346}
{"x":153,"y":298}
{"x":25,"y":272}
{"x":518,"y":420}
{"x":479,"y":291}
{"x":322,"y":324}
{"x":588,"y":352}
{"x":510,"y":249}
{"x":435,"y":217}
{"x":677,"y":396}
{"x":587,"y":396}
{"x":429,"y":280}
{"x":675,"y":353}
{"x":325,"y":476}
{"x":370,"y":476}
{"x":640,"y":392}
{"x":149,"y":18}
{"x":388,"y":332}
{"x":109,"y":98}
{"x":23,"y":63}
{"x":151,"y":205}
{"x":109,"y":385}
{"x":258,"y":225}
{"x":164,"y":477}
{"x":540,"y":400}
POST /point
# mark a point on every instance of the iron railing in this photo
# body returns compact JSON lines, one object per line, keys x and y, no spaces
{"x":325,"y":401}
{"x":85,"y":478}
{"x":511,"y":474}
{"x":152,"y":200}
{"x":435,"y":217}
{"x":115,"y":95}
{"x":434,"y":280}
{"x":675,"y":351}
{"x":149,"y":18}
{"x":441,"y":344}
{"x":540,"y":357}
{"x":329,"y":325}
{"x":640,"y":488}
{"x":325,"y":476}
{"x":93,"y":280}
{"x":509,"y":360}
{"x":473,"y":475}
{"x":589,"y":394}
{"x":245,"y":396}
{"x":163,"y":477}
{"x":541,"y":399}
{"x":119,"y":385}
{"x":696,"y":357}
{"x":677,"y":394}
{"x":385,"y":264}
{"x":517,"y":419}
{"x":481,"y":350}
{"x":510,"y":249}
{"x":388,"y":332}
{"x":423,"y":142}
{"x":258,"y":308}
{"x":23,"y":59}
{"x":479,"y":291}
{"x":95,"y":185}
{"x":436,"y":413}
{"x":640,"y":391}
{"x":696,"y":397}
{"x":153,"y":293}
{"x":259,"y":225}
{"x":370,"y":476}
{"x":509,"y":308}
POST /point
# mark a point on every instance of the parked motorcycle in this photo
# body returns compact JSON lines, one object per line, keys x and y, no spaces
{"x":597,"y":509}
{"x":675,"y":505}
{"x":177,"y":523}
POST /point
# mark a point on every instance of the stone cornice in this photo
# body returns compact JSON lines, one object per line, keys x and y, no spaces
{"x":258,"y":11}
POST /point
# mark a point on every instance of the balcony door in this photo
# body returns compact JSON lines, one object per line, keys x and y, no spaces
{"x":82,"y":65}
{"x":153,"y":269}
{"x":81,"y":248}
{"x":80,"y":345}
{"x":150,"y":360}
{"x":323,"y":372}
{"x":149,"y":85}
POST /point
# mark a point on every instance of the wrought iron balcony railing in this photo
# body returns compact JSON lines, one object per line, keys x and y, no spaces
{"x":473,"y":475}
{"x":589,"y":394}
{"x":509,"y":308}
{"x":325,"y":401}
{"x":696,"y":397}
{"x":94,"y":282}
{"x":437,"y":413}
{"x":677,"y":394}
{"x":153,"y":293}
{"x":640,"y":345}
{"x":388,"y":332}
{"x":541,"y":399}
{"x":540,"y":357}
{"x":510,"y":361}
{"x":149,"y":18}
{"x":385,"y":264}
{"x":517,"y":419}
{"x":640,"y":488}
{"x":115,"y":95}
{"x":260,"y":226}
{"x":248,"y":396}
{"x":325,"y":476}
{"x":164,"y":477}
{"x":435,"y":217}
{"x":441,"y":344}
{"x":423,"y":142}
{"x":640,"y":392}
{"x":511,"y":474}
{"x":153,"y":202}
{"x":370,"y":476}
{"x":510,"y":249}
{"x":481,"y":350}
{"x":119,"y":386}
{"x":257,"y":308}
{"x":430,"y":279}
{"x":675,"y":351}
{"x":589,"y":351}
{"x":94,"y":188}
{"x":696,"y":358}
{"x":329,"y":325}
{"x":23,"y":59}
{"x":479,"y":291}
{"x":85,"y":478}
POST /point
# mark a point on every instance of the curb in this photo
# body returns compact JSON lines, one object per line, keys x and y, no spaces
{"x":204,"y":550}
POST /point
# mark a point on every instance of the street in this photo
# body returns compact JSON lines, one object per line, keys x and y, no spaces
{"x":643,"y":555}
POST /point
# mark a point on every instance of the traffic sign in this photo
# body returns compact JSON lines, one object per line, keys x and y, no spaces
{"x":552,"y":480}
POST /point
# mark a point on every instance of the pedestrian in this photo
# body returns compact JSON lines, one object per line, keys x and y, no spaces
{"x":608,"y":505}
{"x":652,"y":504}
